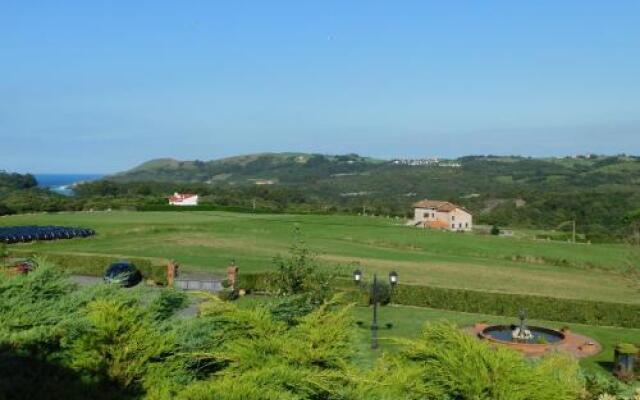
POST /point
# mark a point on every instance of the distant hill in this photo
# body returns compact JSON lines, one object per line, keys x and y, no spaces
{"x":247,"y":169}
{"x":597,"y":191}
{"x":351,"y":175}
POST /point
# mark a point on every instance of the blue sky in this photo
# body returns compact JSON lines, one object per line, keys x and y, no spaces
{"x":102,"y":86}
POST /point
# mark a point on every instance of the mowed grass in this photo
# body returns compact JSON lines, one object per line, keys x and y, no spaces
{"x":409,"y":321}
{"x":209,"y":240}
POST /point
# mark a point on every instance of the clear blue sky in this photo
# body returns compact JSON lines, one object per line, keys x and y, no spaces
{"x":92,"y":86}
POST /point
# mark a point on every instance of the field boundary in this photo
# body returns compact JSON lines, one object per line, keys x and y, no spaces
{"x":92,"y":264}
{"x":595,"y":313}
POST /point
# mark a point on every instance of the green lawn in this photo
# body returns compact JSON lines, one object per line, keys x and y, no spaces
{"x":208,"y":240}
{"x":408,"y":321}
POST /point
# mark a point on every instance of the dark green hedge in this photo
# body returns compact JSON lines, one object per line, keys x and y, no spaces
{"x":503,"y":304}
{"x":206,"y":207}
{"x":254,"y":282}
{"x":538,"y":307}
{"x":95,"y":265}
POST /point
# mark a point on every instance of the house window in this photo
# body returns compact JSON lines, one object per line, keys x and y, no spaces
{"x":433,"y":215}
{"x":466,"y":224}
{"x":453,"y":226}
{"x":453,"y":217}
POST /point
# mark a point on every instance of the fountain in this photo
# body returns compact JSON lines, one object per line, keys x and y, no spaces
{"x":535,"y":341}
{"x":521,"y":333}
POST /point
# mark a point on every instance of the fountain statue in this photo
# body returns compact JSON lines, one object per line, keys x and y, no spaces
{"x":521,"y":332}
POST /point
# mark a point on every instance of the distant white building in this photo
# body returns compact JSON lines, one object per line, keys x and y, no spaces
{"x":436,"y":214}
{"x":183,"y":199}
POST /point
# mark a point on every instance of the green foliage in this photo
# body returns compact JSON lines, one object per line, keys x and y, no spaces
{"x":228,"y":294}
{"x":167,"y":304}
{"x":96,"y":265}
{"x":627,"y":348}
{"x":300,"y":273}
{"x":4,"y":253}
{"x":446,"y":363}
{"x":538,"y":307}
{"x":597,"y":385}
{"x":290,"y":309}
{"x":17,"y":181}
{"x":117,"y":339}
{"x":251,"y":282}
{"x":495,"y":230}
{"x":105,"y":341}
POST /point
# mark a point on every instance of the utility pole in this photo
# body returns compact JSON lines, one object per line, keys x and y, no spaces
{"x":253,"y":202}
{"x":574,"y":231}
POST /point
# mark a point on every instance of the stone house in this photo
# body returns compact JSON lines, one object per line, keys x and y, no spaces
{"x":436,"y":214}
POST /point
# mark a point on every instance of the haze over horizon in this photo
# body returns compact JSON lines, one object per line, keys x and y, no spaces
{"x":104,"y":87}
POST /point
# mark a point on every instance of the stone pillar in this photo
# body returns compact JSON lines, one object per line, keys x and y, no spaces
{"x":232,"y":274}
{"x":172,"y":272}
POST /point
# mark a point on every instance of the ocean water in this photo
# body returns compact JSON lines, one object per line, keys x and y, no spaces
{"x":62,"y":183}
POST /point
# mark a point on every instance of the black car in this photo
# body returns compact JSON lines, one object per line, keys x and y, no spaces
{"x":123,"y":273}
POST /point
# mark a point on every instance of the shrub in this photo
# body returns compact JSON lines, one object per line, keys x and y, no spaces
{"x":446,"y":363}
{"x":95,"y":265}
{"x":167,"y":304}
{"x":290,"y":309}
{"x":228,"y":294}
{"x":256,"y":282}
{"x":538,"y":307}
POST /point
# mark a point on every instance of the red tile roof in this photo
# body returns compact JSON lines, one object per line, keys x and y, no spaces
{"x":179,"y":197}
{"x":438,"y":205}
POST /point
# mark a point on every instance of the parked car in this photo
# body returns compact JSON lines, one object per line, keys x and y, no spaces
{"x":123,"y":273}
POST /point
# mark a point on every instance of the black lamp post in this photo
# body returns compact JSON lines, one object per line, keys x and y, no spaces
{"x":393,"y":280}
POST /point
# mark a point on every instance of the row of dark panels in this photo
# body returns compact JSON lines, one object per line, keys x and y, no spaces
{"x":17,"y":234}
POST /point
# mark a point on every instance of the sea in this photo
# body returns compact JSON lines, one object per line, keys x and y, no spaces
{"x":63,"y":183}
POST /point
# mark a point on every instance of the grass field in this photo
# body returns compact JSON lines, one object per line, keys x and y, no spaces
{"x":208,"y":240}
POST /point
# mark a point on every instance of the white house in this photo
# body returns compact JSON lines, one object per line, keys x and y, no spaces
{"x":436,"y":214}
{"x":183,"y":199}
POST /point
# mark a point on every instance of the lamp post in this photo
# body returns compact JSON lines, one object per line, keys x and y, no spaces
{"x":393,"y":280}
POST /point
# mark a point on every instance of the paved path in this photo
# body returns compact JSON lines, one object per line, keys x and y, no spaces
{"x":84,"y":280}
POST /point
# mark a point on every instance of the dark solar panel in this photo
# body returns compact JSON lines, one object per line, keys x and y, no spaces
{"x":28,"y":233}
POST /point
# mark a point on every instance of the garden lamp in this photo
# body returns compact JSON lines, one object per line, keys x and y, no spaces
{"x":393,"y":278}
{"x":357,"y":276}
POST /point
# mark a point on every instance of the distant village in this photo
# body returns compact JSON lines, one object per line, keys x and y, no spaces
{"x":426,"y":162}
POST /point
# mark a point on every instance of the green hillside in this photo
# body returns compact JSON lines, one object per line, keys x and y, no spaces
{"x":597,"y":191}
{"x":209,"y":240}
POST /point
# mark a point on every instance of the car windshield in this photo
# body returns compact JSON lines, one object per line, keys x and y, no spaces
{"x":117,"y":269}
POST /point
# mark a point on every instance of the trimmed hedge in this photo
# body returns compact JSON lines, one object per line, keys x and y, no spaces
{"x":206,"y":207}
{"x":95,"y":265}
{"x":502,"y":304}
{"x":254,"y":282}
{"x":505,"y":304}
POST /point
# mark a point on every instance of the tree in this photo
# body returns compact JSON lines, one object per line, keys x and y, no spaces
{"x":299,"y":273}
{"x":495,"y":230}
{"x":633,"y":219}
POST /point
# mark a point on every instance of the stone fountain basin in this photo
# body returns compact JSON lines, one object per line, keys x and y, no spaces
{"x":577,"y":345}
{"x":541,"y":336}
